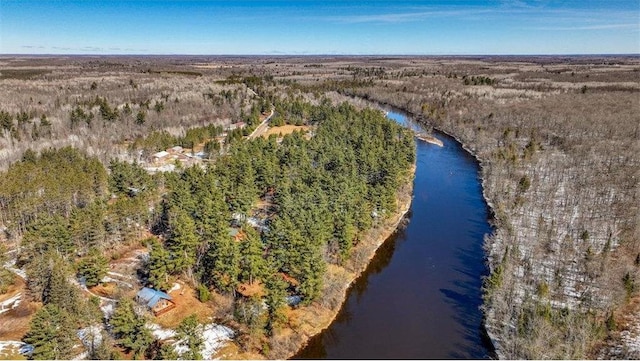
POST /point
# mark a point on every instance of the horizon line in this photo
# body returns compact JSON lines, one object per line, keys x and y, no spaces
{"x":315,"y":54}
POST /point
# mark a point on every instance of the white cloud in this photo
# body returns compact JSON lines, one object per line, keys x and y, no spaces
{"x":588,"y":27}
{"x":403,"y":17}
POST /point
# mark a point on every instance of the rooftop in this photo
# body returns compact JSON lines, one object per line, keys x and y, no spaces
{"x":151,"y":296}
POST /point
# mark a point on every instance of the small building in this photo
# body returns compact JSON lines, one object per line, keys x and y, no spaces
{"x":157,"y":301}
{"x":160,"y":156}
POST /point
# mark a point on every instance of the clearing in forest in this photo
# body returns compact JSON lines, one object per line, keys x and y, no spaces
{"x":15,"y":312}
{"x":286,"y":129}
{"x":187,"y":303}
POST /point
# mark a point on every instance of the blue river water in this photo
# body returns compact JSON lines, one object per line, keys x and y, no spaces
{"x":420,"y":296}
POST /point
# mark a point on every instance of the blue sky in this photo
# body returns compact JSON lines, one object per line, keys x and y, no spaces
{"x":320,"y":27}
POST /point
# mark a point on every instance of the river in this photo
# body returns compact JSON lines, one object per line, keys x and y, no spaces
{"x":420,"y":296}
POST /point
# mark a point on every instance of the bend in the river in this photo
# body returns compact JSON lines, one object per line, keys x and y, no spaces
{"x":420,"y":296}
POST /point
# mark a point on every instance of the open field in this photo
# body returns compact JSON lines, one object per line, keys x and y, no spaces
{"x":286,"y":129}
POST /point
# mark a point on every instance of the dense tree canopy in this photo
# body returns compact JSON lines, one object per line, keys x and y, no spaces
{"x":318,"y":192}
{"x":325,"y":189}
{"x":52,"y":183}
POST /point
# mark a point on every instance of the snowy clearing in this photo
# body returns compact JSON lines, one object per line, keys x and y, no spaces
{"x":214,"y":336}
{"x":107,"y":279}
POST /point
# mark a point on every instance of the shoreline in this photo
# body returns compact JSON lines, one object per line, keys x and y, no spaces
{"x":487,"y":328}
{"x":430,"y":139}
{"x":319,"y":317}
{"x":369,"y":247}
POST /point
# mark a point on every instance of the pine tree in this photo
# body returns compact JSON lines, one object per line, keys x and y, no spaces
{"x":49,"y":233}
{"x":86,"y":226}
{"x":93,"y":267}
{"x":158,"y":266}
{"x":252,"y":263}
{"x":130,"y":329}
{"x":141,"y":117}
{"x":311,"y":272}
{"x":166,"y":352}
{"x":7,"y":278}
{"x":211,"y":217}
{"x":58,"y":291}
{"x":223,"y":264}
{"x":51,"y":333}
{"x":183,"y":242}
{"x":189,"y":332}
{"x":275,"y":299}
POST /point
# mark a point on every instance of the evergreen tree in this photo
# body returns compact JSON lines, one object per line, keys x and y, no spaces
{"x":7,"y":278}
{"x":252,"y":262}
{"x":86,"y":227}
{"x":93,"y":267}
{"x":128,"y":179}
{"x":166,"y":352}
{"x":189,"y":333}
{"x":51,"y":333}
{"x":141,"y":117}
{"x":223,"y":264}
{"x":183,"y":242}
{"x":211,"y":217}
{"x":130,"y":329}
{"x":275,"y":300}
{"x":58,"y":291}
{"x":49,"y":233}
{"x":158,"y":266}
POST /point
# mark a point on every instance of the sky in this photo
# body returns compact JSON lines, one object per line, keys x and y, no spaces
{"x":374,"y":27}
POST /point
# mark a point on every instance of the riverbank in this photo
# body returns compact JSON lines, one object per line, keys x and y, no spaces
{"x":518,"y":227}
{"x":489,"y":323}
{"x":430,"y":139}
{"x":306,"y":322}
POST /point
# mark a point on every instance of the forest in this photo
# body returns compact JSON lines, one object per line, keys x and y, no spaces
{"x":286,"y":217}
{"x":69,"y":212}
{"x":557,"y":143}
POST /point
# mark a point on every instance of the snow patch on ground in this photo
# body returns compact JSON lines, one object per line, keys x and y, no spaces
{"x":10,"y":266}
{"x":116,"y":274}
{"x":175,"y":287}
{"x":23,"y":348}
{"x":215,"y":336}
{"x":82,"y":356}
{"x":90,"y":336}
{"x":108,"y":308}
{"x":159,"y":332}
{"x":10,"y":303}
{"x":106,"y":279}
